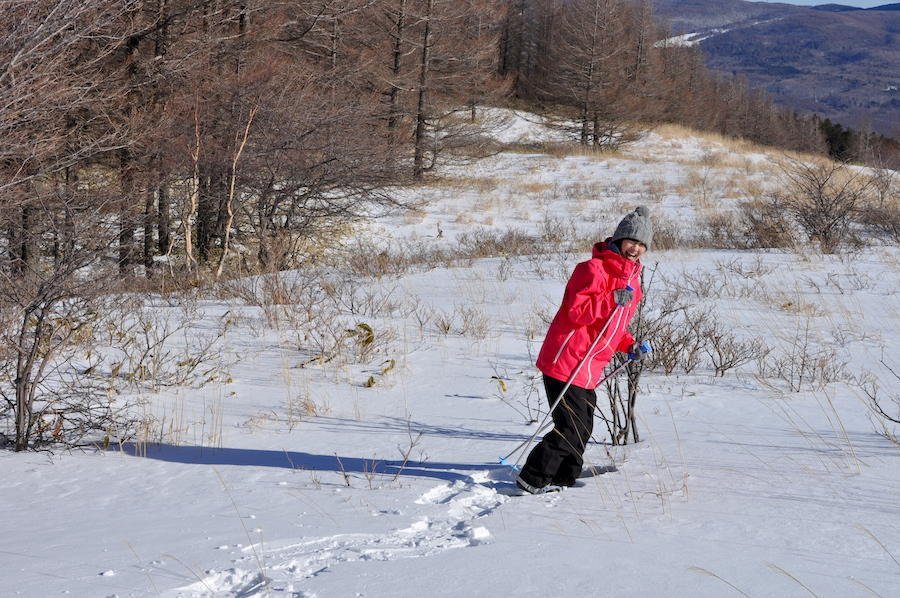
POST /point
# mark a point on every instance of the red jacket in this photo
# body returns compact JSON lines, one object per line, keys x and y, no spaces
{"x":586,"y":306}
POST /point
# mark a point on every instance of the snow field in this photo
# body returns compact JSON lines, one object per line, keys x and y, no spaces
{"x":299,"y":479}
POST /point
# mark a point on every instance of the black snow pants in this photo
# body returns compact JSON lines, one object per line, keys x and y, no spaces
{"x":558,"y":458}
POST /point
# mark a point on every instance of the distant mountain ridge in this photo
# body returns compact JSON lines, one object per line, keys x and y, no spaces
{"x":835,"y":7}
{"x":845,"y":8}
{"x":840,"y":62}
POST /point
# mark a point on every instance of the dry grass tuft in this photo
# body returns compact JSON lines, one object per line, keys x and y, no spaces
{"x":535,"y":187}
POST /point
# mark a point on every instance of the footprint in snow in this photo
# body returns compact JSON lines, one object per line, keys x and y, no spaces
{"x":457,"y":506}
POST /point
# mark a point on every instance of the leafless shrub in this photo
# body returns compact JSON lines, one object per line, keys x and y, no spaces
{"x":291,"y":296}
{"x":47,"y":397}
{"x":713,"y":158}
{"x":561,"y":235}
{"x":698,"y":283}
{"x":746,"y":271}
{"x":343,"y":341}
{"x":653,"y":191}
{"x":444,"y":322}
{"x":155,"y":348}
{"x":282,"y":288}
{"x":95,"y":352}
{"x":852,"y":279}
{"x":885,"y":185}
{"x":541,"y":267}
{"x":555,"y":236}
{"x":800,"y":363}
{"x":823,"y":200}
{"x":55,"y":299}
{"x":723,"y":231}
{"x":704,"y":187}
{"x":422,"y":315}
{"x":538,"y":319}
{"x":473,"y":322}
{"x":622,"y":421}
{"x":882,"y":220}
{"x":463,"y":320}
{"x":726,"y":351}
{"x":483,"y":185}
{"x":765,"y":223}
{"x":364,"y":258}
{"x":504,"y":269}
{"x":484,"y":242}
{"x":678,"y":344}
{"x":668,"y":235}
{"x":885,"y":409}
{"x":684,"y":334}
{"x":358,"y":297}
{"x":414,"y":439}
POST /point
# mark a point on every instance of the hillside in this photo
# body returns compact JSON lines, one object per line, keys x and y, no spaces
{"x":844,"y":65}
{"x":350,"y":448}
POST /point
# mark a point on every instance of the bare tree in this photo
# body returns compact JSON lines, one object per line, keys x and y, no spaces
{"x":455,"y":68}
{"x":58,"y":93}
{"x":49,"y":311}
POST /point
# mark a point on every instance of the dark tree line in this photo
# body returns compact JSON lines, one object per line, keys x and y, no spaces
{"x":846,"y":144}
{"x":199,"y":121}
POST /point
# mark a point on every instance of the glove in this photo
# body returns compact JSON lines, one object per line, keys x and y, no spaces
{"x":623,"y":297}
{"x":637,"y":353}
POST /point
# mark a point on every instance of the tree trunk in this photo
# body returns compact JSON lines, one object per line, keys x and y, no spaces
{"x":163,"y":218}
{"x":27,"y":246}
{"x":126,"y":228}
{"x":206,"y":217}
{"x":163,"y":215}
{"x":419,"y":154}
{"x":585,"y":126}
{"x":66,"y":235}
{"x":394,"y":92}
{"x":27,"y":345}
{"x":149,"y":222}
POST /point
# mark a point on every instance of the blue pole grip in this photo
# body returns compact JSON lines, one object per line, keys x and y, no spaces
{"x":628,"y":287}
{"x":503,"y":461}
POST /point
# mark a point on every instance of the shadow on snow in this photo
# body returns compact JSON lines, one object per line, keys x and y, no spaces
{"x":197,"y":455}
{"x":297,"y":460}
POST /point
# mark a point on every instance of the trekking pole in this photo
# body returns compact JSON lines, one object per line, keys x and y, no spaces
{"x":584,"y":359}
{"x":644,"y":348}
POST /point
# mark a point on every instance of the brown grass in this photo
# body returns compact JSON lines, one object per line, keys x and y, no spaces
{"x":563,"y":150}
{"x":534,"y":187}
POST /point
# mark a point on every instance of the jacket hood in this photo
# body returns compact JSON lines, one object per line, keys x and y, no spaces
{"x":614,"y":263}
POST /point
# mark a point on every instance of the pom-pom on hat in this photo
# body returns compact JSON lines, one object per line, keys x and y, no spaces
{"x":636,"y":225}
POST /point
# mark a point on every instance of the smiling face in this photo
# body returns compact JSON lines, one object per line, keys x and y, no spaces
{"x":632,"y":250}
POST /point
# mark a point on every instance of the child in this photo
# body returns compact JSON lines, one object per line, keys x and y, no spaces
{"x":596,"y":296}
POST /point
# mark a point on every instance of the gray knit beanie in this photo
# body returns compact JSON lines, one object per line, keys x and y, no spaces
{"x":636,"y":225}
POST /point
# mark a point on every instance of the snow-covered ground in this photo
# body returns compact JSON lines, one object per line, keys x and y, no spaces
{"x":376,"y":475}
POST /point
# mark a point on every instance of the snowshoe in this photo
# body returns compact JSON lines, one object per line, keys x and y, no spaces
{"x":526,"y":487}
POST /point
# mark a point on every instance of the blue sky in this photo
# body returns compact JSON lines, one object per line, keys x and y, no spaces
{"x":859,"y":3}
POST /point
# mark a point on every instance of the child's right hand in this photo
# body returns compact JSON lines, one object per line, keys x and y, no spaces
{"x":623,"y":296}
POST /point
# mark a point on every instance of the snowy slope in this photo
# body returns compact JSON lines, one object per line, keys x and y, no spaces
{"x":296,"y":479}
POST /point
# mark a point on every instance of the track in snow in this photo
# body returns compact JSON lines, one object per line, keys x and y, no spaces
{"x":274,"y":571}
